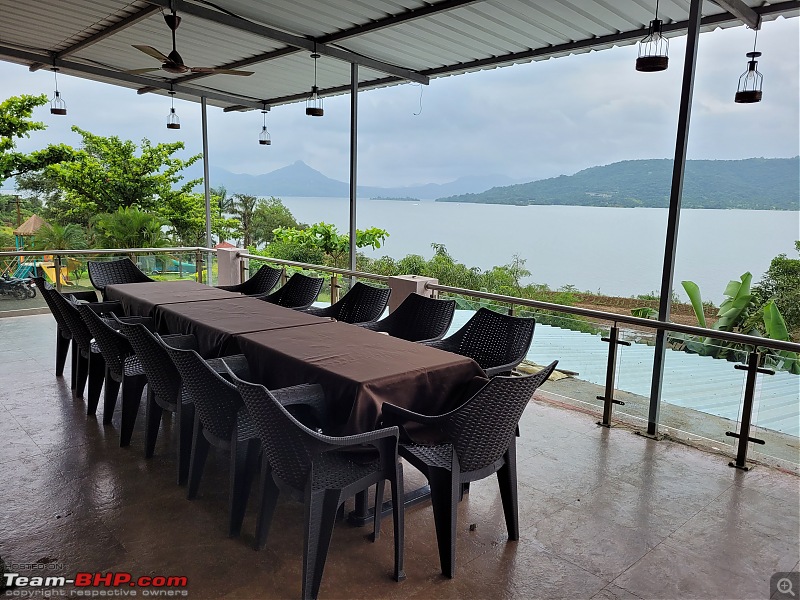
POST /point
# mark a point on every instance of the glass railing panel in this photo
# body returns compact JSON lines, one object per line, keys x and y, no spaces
{"x":634,"y":375}
{"x":701,"y":393}
{"x":776,"y":416}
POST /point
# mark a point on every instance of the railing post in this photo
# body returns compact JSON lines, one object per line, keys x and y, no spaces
{"x":283,"y":276}
{"x":57,"y":265}
{"x":334,"y":288}
{"x":242,"y":270}
{"x":611,"y":375}
{"x":743,"y":436}
{"x":511,"y":310}
{"x":198,"y":265}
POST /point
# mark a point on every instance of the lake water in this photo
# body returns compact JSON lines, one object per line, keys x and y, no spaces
{"x":615,"y":251}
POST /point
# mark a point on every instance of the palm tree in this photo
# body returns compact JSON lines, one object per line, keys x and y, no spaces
{"x":131,"y":228}
{"x":60,"y":237}
{"x":244,"y":209}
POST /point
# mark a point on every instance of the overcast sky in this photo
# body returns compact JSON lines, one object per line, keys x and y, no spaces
{"x":528,"y":121}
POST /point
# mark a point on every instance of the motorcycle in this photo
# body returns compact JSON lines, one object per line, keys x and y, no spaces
{"x":19,"y":289}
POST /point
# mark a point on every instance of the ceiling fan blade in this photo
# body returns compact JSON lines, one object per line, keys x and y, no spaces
{"x":213,"y":71}
{"x":150,"y":51}
{"x":142,"y":71}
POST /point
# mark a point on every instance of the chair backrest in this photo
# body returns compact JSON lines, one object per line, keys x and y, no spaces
{"x":482,"y":428}
{"x":113,"y":345}
{"x":217,"y":401}
{"x":162,"y":376}
{"x":491,"y":338}
{"x":288,"y":445}
{"x":363,"y":303}
{"x":103,"y":273}
{"x":262,"y":282}
{"x":75,"y":323}
{"x":419,"y":318}
{"x":46,"y":290}
{"x":299,"y":292}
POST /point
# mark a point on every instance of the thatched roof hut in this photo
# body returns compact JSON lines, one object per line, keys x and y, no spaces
{"x":31,"y":226}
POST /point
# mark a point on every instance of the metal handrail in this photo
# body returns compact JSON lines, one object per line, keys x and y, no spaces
{"x":103,"y":251}
{"x":291,"y":263}
{"x":741,"y":338}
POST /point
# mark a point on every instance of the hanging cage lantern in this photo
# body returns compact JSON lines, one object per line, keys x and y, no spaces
{"x":653,"y":49}
{"x":57,"y":104}
{"x":264,"y":138}
{"x":173,"y":121}
{"x":749,"y":88}
{"x":314,"y":102}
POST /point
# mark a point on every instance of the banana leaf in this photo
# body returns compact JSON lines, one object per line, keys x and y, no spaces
{"x":733,"y":308}
{"x":644,"y":312}
{"x":693,"y":291}
{"x":776,"y":329}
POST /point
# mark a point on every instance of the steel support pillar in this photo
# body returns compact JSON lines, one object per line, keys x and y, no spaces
{"x":676,"y":193}
{"x":353,"y":162}
{"x":206,"y":185}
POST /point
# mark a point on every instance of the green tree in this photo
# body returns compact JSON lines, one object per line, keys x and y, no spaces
{"x":109,"y":173}
{"x":16,"y":123}
{"x":269,"y":215}
{"x":60,"y":237}
{"x":781,"y":283}
{"x":130,"y":228}
{"x":327,"y":239}
{"x":244,"y":207}
{"x":186,"y":216}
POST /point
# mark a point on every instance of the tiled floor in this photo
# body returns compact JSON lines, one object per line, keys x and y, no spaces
{"x":604,"y":513}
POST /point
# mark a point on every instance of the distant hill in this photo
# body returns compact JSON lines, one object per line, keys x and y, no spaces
{"x":299,"y":179}
{"x":753,"y":183}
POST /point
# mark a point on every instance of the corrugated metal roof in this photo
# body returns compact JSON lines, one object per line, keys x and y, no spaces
{"x":393,"y":41}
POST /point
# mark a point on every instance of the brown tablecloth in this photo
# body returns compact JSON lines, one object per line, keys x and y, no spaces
{"x":140,"y":299}
{"x":216,"y":323}
{"x":361,"y":369}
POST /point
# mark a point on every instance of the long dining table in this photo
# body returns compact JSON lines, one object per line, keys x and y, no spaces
{"x":359,"y":369}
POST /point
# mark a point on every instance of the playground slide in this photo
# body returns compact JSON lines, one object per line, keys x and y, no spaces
{"x":50,"y":270}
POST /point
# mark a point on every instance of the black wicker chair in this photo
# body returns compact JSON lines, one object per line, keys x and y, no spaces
{"x":89,"y":362}
{"x":308,"y":463}
{"x":479,"y":440}
{"x":497,"y":342}
{"x":261,"y":283}
{"x":103,"y":273}
{"x":417,"y":319}
{"x":299,"y":292}
{"x":164,"y":387}
{"x":123,"y":370}
{"x":63,"y":334}
{"x":362,"y":304}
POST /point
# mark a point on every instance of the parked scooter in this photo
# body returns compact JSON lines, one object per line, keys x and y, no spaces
{"x":20,"y":289}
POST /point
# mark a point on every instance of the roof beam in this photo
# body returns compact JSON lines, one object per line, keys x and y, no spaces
{"x":15,"y":54}
{"x":390,"y":21}
{"x":741,"y":11}
{"x":289,"y":39}
{"x":98,"y":36}
{"x":540,"y":53}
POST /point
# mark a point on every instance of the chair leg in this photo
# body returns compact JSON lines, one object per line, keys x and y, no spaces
{"x":398,"y":514}
{"x":132,"y":388}
{"x":62,"y":349}
{"x":269,"y":499}
{"x":244,"y":460}
{"x":110,"y":395}
{"x":445,"y":492}
{"x":97,"y":370}
{"x":185,"y":418}
{"x":73,"y":376}
{"x":152,"y":417}
{"x":198,"y":460}
{"x":321,"y":510}
{"x":81,"y":373}
{"x":376,"y":527}
{"x":507,"y":479}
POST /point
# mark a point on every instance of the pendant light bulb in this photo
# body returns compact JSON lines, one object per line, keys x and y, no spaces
{"x":264,"y":138}
{"x":749,"y":89}
{"x":57,"y":104}
{"x":173,"y":121}
{"x":653,"y":49}
{"x":314,"y":106}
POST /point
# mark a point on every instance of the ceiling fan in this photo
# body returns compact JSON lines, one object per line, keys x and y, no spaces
{"x":172,"y":62}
